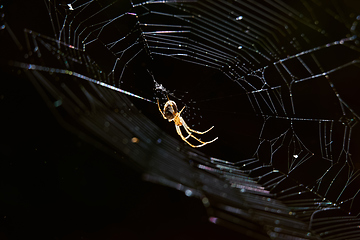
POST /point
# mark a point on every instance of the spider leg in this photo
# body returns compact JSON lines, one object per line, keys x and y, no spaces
{"x":192,"y":130}
{"x":190,"y":135}
{"x":187,"y":129}
{"x":181,"y":110}
{"x":203,"y":143}
{"x":184,"y":139}
{"x":181,"y":135}
{"x":160,"y":109}
{"x":188,"y":132}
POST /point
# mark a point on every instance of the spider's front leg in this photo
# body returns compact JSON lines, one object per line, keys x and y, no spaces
{"x":160,"y":109}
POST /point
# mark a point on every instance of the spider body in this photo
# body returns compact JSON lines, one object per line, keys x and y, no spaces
{"x":170,"y":110}
{"x":171,"y":113}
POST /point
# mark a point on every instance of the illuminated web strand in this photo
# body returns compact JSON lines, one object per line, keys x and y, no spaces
{"x":75,"y":74}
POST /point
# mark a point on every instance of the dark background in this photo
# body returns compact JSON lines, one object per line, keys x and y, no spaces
{"x":55,"y":185}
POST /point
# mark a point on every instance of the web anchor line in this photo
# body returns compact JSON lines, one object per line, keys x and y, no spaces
{"x":78,"y":75}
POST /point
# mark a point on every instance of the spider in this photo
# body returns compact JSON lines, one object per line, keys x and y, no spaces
{"x":171,"y":113}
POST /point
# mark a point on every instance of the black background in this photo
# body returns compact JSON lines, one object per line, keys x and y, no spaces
{"x":54,"y":185}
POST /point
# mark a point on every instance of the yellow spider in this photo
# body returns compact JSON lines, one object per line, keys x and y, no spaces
{"x":171,"y":113}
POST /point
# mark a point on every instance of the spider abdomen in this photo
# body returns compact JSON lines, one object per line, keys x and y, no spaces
{"x":170,"y":110}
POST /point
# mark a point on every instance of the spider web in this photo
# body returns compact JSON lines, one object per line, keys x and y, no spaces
{"x":276,"y":79}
